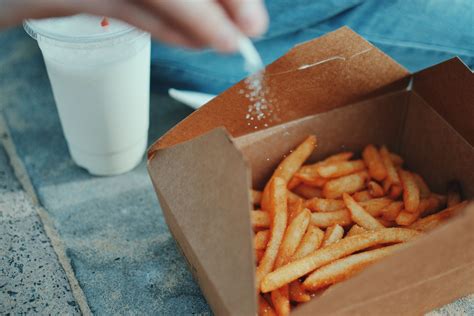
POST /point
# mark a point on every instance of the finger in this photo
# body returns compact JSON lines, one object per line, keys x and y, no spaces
{"x":249,"y":15}
{"x":140,"y":17}
{"x":203,"y":20}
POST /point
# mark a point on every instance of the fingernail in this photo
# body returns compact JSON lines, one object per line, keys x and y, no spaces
{"x":252,"y":18}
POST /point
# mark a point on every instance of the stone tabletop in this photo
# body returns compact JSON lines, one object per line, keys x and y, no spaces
{"x":71,"y":243}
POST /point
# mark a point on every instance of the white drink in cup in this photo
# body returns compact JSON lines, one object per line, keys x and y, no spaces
{"x":100,"y":79}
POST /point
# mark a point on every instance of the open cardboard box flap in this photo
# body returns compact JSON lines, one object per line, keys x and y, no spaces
{"x":201,"y":171}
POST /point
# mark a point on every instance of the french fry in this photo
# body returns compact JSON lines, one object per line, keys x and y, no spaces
{"x":297,"y":293}
{"x":411,"y":192}
{"x":294,"y":208}
{"x":281,"y":300}
{"x":422,"y":186}
{"x":430,"y":222}
{"x":386,"y":223}
{"x":324,"y":205}
{"x":355,"y":230}
{"x":311,"y":241}
{"x":359,"y":215}
{"x":323,"y":256}
{"x":264,"y":309}
{"x":326,"y":219}
{"x":392,"y":175}
{"x":395,"y":192}
{"x":374,"y":163}
{"x":332,"y":235}
{"x":259,"y":219}
{"x":362,"y":196}
{"x":292,"y":197}
{"x":346,"y":184}
{"x":309,"y":173}
{"x":343,"y":156}
{"x":391,"y":212}
{"x":435,"y":203}
{"x":308,"y":192}
{"x":375,"y":189}
{"x":405,"y":218}
{"x":290,"y":165}
{"x":258,"y":255}
{"x":340,"y":168}
{"x":454,"y":193}
{"x":292,"y":238}
{"x":396,"y":159}
{"x":260,"y":239}
{"x":256,"y":197}
{"x":278,"y":208}
{"x":344,"y":268}
{"x":375,"y":206}
{"x":294,"y":182}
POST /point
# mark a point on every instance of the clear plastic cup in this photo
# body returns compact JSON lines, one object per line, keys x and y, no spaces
{"x":100,"y":78}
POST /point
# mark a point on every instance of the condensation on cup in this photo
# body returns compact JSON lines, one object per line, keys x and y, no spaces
{"x":100,"y":76}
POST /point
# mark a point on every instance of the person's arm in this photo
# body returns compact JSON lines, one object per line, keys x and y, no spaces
{"x":189,"y":23}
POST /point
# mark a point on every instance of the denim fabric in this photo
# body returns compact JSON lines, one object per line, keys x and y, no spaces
{"x":416,"y":33}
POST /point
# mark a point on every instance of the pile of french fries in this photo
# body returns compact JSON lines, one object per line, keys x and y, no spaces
{"x":321,"y":223}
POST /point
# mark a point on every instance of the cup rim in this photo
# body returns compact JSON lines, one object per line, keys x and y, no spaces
{"x":37,"y":32}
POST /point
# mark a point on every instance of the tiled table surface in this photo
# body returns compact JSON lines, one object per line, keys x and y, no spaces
{"x":110,"y":251}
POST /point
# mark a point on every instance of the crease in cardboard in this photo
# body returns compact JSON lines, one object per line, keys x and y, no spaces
{"x":337,"y":57}
{"x":408,"y":287}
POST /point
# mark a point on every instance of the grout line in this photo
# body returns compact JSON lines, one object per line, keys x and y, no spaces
{"x":48,"y":226}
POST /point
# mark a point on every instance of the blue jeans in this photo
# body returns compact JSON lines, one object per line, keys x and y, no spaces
{"x":416,"y":33}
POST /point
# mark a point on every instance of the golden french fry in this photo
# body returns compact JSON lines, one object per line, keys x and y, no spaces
{"x":362,"y":196}
{"x":374,"y":163}
{"x":430,"y":222}
{"x":292,"y":238}
{"x":294,"y":182}
{"x":310,"y":178}
{"x":392,"y":175}
{"x":343,"y":156}
{"x":326,"y":219}
{"x":291,"y":164}
{"x":396,"y":159}
{"x":293,"y":198}
{"x":324,"y":205}
{"x":395,"y":191}
{"x":391,"y":212}
{"x":308,"y":192}
{"x":259,"y":219}
{"x":311,"y":241}
{"x":297,"y":293}
{"x":294,"y":208}
{"x":323,"y":256}
{"x":405,"y":218}
{"x":422,"y":186}
{"x":281,"y":300}
{"x":411,"y":192}
{"x":359,"y":215}
{"x":375,"y":189}
{"x":454,"y":193}
{"x":264,"y":309}
{"x":386,"y":223}
{"x":332,"y":235}
{"x":344,"y":268}
{"x":278,"y":208}
{"x":340,"y":168}
{"x":258,"y":255}
{"x":355,"y":230}
{"x":346,"y":184}
{"x":375,"y":206}
{"x":435,"y":203}
{"x":256,"y":197}
{"x":260,"y":239}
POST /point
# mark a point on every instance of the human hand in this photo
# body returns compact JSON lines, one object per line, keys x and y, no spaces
{"x":189,"y":23}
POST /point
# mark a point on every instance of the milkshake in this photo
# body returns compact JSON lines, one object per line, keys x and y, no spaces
{"x":99,"y":73}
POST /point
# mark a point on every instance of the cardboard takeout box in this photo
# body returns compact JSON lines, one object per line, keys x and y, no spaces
{"x":203,"y":168}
